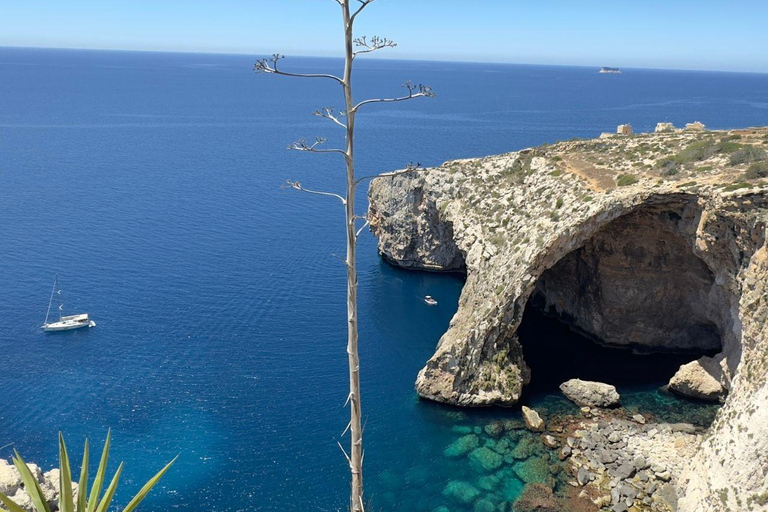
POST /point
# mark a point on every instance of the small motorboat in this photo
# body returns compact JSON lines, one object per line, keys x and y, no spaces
{"x":65,"y":323}
{"x":430,"y":300}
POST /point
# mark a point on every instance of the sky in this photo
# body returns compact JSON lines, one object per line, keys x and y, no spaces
{"x":677,"y":34}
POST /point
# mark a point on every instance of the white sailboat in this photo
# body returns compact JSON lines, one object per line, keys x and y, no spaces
{"x":65,"y":323}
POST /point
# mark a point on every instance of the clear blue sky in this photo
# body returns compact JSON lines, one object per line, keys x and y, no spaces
{"x":686,"y":34}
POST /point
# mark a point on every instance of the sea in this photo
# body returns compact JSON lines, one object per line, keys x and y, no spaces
{"x":152,"y":184}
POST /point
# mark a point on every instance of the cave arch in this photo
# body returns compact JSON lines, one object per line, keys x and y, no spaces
{"x":638,"y":283}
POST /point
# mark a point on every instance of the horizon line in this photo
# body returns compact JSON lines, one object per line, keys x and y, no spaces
{"x":406,"y":59}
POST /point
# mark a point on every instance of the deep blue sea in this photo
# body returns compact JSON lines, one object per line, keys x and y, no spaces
{"x":151,"y":183}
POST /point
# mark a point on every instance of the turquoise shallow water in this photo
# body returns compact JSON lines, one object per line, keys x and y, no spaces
{"x":151,"y":184}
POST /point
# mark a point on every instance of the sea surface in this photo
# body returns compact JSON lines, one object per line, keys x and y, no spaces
{"x":151,"y":183}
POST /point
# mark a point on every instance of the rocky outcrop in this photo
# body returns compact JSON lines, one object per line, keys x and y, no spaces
{"x":12,"y":486}
{"x":590,"y":394}
{"x":701,"y":379}
{"x":654,"y":242}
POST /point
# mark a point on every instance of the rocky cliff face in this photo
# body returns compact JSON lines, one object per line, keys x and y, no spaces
{"x":656,"y":242}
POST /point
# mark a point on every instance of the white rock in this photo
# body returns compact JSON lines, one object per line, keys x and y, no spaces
{"x":532,"y":420}
{"x":10,"y":479}
{"x":590,"y":394}
{"x":700,"y":379}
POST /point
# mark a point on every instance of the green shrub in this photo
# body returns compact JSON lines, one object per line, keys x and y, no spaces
{"x":66,"y":499}
{"x":559,"y":203}
{"x":669,"y":166}
{"x":736,"y":186}
{"x":747,"y":155}
{"x":756,"y":171}
{"x":705,"y":149}
{"x":624,"y":180}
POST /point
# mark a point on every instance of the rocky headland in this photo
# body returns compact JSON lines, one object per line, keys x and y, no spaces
{"x":652,"y":242}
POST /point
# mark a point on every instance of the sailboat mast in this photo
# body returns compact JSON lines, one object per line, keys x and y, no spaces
{"x":53,"y":291}
{"x":61,"y":301}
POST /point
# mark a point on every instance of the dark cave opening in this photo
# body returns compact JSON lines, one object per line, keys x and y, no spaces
{"x":556,"y":353}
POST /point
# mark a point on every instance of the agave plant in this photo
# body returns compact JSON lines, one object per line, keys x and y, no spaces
{"x":67,"y":503}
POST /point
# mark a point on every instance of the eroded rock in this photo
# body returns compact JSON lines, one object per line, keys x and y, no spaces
{"x":701,"y":379}
{"x":590,"y":394}
{"x":532,"y":419}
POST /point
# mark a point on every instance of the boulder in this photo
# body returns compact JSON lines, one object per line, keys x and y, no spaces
{"x":22,"y":499}
{"x":10,"y":479}
{"x":549,"y":441}
{"x":532,"y":420}
{"x":590,"y":394}
{"x":537,"y":498}
{"x":700,"y":379}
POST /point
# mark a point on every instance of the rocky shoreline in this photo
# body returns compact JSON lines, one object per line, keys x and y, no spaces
{"x":653,"y":242}
{"x":596,"y":460}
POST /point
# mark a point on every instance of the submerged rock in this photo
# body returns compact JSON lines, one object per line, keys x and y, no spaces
{"x":533,"y":470}
{"x":484,"y":505}
{"x":485,"y":459}
{"x":532,"y":420}
{"x":488,"y":482}
{"x":461,"y":491}
{"x":700,"y":379}
{"x":495,"y":429}
{"x":462,"y":446}
{"x":590,"y":394}
{"x":525,"y":449}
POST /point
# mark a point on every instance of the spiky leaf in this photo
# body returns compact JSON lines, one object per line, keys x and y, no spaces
{"x":148,"y":487}
{"x":98,"y":482}
{"x":110,"y":493}
{"x":30,"y":484}
{"x":82,"y":485}
{"x":66,"y":502}
{"x":10,"y":505}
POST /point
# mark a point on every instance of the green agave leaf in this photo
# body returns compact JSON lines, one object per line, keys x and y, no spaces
{"x":82,"y":485}
{"x":107,"y":499}
{"x":148,"y":487}
{"x":30,"y":484}
{"x":10,"y":505}
{"x":98,"y":482}
{"x":66,"y":503}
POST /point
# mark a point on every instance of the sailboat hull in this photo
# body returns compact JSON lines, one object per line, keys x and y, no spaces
{"x":68,"y":323}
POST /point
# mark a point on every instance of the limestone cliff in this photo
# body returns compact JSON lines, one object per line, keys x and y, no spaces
{"x":654,"y":242}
